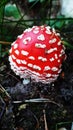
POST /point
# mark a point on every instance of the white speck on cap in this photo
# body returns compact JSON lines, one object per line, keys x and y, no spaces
{"x":30,"y":65}
{"x":48,"y":75}
{"x":42,"y":58}
{"x":15,"y":46}
{"x":23,"y":62}
{"x":35,"y":27}
{"x":60,"y":55}
{"x":48,"y":27}
{"x":10,"y":59}
{"x":39,"y":45}
{"x":20,"y":36}
{"x":13,"y":57}
{"x":56,"y":56}
{"x":18,"y":61}
{"x":58,"y":61}
{"x":59,"y":43}
{"x":41,"y":37}
{"x":13,"y":43}
{"x":59,"y":71}
{"x":31,"y":58}
{"x":55,"y":75}
{"x":54,"y":31}
{"x":17,"y":52}
{"x":64,"y":47}
{"x":36,"y":67}
{"x":51,"y":50}
{"x":36,"y":73}
{"x":62,"y":52}
{"x":22,"y":68}
{"x":57,"y":34}
{"x":10,"y":51}
{"x":26,"y":40}
{"x":46,"y":68}
{"x":52,"y":40}
{"x":35,"y":31}
{"x":25,"y":53}
{"x":28,"y":30}
{"x":51,"y":59}
{"x":12,"y":67}
{"x":48,"y":32}
{"x":54,"y":69}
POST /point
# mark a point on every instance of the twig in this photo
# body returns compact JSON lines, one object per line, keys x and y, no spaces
{"x":13,"y":76}
{"x":38,"y":100}
{"x":4,"y":42}
{"x":4,"y":91}
{"x":45,"y":121}
{"x":35,"y":119}
{"x":2,"y":108}
{"x":67,"y":44}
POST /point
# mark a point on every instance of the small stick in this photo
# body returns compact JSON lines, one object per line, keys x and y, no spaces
{"x":45,"y":121}
{"x":37,"y":100}
{"x":2,"y":108}
{"x":4,"y":91}
{"x":4,"y":42}
{"x":67,"y":44}
{"x":13,"y":76}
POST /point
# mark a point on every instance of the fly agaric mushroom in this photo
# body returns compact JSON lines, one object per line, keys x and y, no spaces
{"x":37,"y":53}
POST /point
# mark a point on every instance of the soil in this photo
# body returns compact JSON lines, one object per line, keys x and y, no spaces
{"x":22,"y":115}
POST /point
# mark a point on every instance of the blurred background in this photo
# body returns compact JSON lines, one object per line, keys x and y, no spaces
{"x":17,"y":15}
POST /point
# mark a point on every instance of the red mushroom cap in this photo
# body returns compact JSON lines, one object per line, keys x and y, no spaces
{"x":37,"y":53}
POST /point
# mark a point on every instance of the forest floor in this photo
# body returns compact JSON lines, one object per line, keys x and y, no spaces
{"x":19,"y":109}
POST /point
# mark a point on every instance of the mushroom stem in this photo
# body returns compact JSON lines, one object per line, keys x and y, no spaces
{"x":67,"y":44}
{"x":26,"y":81}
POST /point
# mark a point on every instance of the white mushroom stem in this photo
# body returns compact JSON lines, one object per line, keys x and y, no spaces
{"x":26,"y":81}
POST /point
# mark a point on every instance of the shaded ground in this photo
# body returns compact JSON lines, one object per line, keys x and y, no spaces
{"x":27,"y":116}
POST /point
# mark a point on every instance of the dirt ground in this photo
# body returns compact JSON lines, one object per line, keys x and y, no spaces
{"x":23,"y":112}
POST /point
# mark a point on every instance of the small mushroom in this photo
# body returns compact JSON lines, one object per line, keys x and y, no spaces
{"x":38,"y":54}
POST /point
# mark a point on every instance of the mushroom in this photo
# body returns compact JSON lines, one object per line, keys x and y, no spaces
{"x":38,"y":54}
